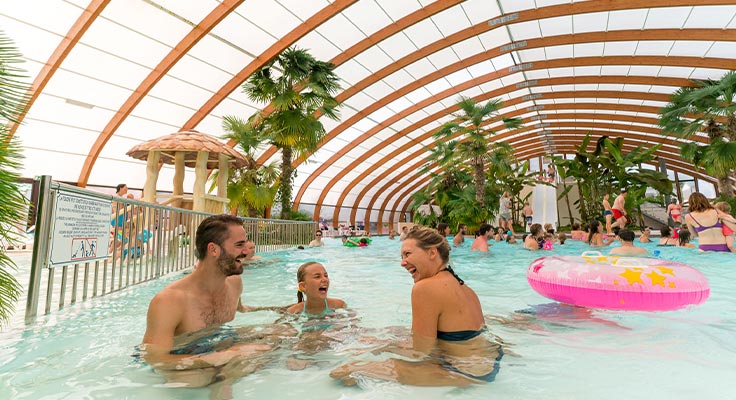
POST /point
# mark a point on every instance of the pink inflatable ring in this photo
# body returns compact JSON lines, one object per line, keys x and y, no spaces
{"x":618,"y":283}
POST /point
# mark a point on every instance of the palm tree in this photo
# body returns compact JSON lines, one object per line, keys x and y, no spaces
{"x":13,"y":97}
{"x":298,"y":87}
{"x":251,"y":189}
{"x":709,"y":107}
{"x":475,"y":146}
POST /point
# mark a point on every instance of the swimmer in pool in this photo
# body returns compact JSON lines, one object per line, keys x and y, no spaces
{"x":448,"y":327}
{"x":206,"y":298}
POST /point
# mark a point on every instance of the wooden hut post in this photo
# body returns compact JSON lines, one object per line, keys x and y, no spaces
{"x":178,"y":189}
{"x":200,"y":179}
{"x":149,"y":188}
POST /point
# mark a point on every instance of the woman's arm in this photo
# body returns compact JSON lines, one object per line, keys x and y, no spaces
{"x":425,"y":314}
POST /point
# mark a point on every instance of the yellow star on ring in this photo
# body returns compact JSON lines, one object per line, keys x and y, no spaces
{"x":656,"y":278}
{"x":666,"y":270}
{"x":632,"y":276}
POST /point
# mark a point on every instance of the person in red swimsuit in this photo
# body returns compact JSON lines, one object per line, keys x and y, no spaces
{"x":619,"y":210}
{"x":674,"y":210}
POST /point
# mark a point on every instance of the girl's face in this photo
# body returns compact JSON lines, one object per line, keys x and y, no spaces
{"x":316,"y":282}
{"x":418,"y":262}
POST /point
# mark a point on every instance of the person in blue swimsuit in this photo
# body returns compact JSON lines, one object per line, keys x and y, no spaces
{"x":447,"y":325}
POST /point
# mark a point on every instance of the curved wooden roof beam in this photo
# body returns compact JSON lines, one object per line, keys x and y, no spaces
{"x":484,"y":56}
{"x":564,"y":106}
{"x":515,"y":142}
{"x":406,"y":203}
{"x":319,"y":18}
{"x":73,"y":36}
{"x":530,"y":15}
{"x":282,"y":44}
{"x":388,"y":158}
{"x":163,"y":67}
{"x":617,"y":60}
{"x":675,"y":82}
{"x":674,"y":160}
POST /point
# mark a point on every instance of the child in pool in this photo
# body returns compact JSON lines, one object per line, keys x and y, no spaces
{"x":311,"y":296}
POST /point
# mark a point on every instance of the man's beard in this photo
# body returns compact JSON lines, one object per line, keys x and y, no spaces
{"x":228,"y":265}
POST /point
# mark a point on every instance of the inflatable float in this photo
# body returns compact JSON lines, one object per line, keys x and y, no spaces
{"x":618,"y":283}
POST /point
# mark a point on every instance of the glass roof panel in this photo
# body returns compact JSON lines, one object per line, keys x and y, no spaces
{"x":244,"y":34}
{"x":659,"y":18}
{"x":270,"y":15}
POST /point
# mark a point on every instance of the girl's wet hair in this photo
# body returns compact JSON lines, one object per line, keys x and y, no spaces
{"x":301,"y":274}
{"x":428,"y":238}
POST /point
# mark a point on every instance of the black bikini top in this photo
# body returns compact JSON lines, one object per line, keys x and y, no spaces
{"x":450,"y":270}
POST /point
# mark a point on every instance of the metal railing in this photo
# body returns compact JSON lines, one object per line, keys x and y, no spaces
{"x":146,"y":241}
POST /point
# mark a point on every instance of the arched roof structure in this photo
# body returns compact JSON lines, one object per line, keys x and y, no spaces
{"x":108,"y":75}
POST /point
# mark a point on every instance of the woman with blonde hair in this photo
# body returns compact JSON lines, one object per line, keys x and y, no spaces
{"x":447,"y":324}
{"x":706,"y":223}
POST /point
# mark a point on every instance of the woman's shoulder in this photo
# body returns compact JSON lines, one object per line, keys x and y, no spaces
{"x":336,"y":303}
{"x":295,"y":308}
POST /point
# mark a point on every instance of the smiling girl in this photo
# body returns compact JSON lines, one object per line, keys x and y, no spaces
{"x":313,"y":284}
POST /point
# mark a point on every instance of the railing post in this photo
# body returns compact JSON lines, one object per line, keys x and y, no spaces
{"x":40,"y":245}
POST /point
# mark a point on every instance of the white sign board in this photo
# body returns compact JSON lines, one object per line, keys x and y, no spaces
{"x":81,"y":229}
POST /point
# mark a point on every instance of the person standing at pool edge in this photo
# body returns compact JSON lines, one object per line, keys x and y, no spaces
{"x":619,"y":210}
{"x":207,"y":297}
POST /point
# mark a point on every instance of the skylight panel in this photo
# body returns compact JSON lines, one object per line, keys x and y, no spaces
{"x":220,"y":55}
{"x":564,"y":51}
{"x":397,"y":46}
{"x":352,"y":72}
{"x":340,"y":32}
{"x":676,"y":72}
{"x":494,"y":38}
{"x":244,"y":34}
{"x":163,"y":111}
{"x":707,"y":73}
{"x":614,"y":70}
{"x":368,"y":16}
{"x":502,"y":62}
{"x":525,"y":30}
{"x":420,"y":68}
{"x":591,"y":22}
{"x":443,"y":58}
{"x":379,"y":90}
{"x":644,"y":70}
{"x":588,"y":49}
{"x":660,"y":18}
{"x":619,"y":48}
{"x":530,"y":55}
{"x":451,"y":20}
{"x":590,"y":86}
{"x":358,"y":101}
{"x":304,"y":9}
{"x":627,"y":19}
{"x":320,"y":45}
{"x":537,"y":74}
{"x":269,"y":15}
{"x":399,"y":79}
{"x":199,"y":73}
{"x":192,"y":11}
{"x":374,"y":59}
{"x":437,"y":86}
{"x":82,"y":89}
{"x":468,"y":48}
{"x":458,"y":77}
{"x":593,"y":70}
{"x":556,"y":26}
{"x":706,"y":17}
{"x":721,"y":50}
{"x":398,"y":9}
{"x":510,"y":6}
{"x":380,"y":115}
{"x":399,"y":104}
{"x":654,"y":47}
{"x":561,"y":72}
{"x":181,"y":92}
{"x":491,"y":86}
{"x":688,"y":48}
{"x":611,"y":87}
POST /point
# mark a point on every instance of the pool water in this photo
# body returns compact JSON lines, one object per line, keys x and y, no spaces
{"x":553,"y":351}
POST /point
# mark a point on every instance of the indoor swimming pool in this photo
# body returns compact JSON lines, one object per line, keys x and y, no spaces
{"x":552,"y":351}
